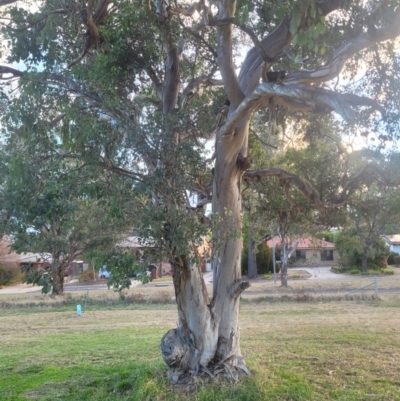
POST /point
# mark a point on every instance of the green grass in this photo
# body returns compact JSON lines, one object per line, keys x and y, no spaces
{"x":335,"y":351}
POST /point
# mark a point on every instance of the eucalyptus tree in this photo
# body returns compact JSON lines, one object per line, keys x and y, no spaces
{"x":47,"y":213}
{"x":375,"y":206}
{"x":318,"y":158}
{"x":137,"y":87}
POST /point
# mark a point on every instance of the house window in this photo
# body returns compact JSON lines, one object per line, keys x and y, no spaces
{"x":326,"y":255}
{"x":300,"y":255}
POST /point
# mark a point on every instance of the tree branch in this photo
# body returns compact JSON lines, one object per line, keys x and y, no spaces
{"x":207,"y":80}
{"x":273,"y":44}
{"x":30,"y":24}
{"x":201,"y":39}
{"x":262,"y":141}
{"x":187,"y":12}
{"x":224,"y":59}
{"x":92,"y":20}
{"x":308,"y":191}
{"x":310,"y":98}
{"x":8,"y":70}
{"x":249,"y":31}
{"x":155,"y":80}
{"x":334,"y":67}
{"x":238,"y":288}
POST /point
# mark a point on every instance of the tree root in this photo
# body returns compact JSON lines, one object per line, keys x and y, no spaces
{"x":185,"y":370}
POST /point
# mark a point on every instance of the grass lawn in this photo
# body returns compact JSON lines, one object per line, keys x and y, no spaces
{"x":298,"y":351}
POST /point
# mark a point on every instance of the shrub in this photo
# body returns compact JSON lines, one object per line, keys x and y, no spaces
{"x":396,"y":260}
{"x":373,"y":272}
{"x":350,"y":250}
{"x":339,"y":269}
{"x":263,"y":260}
{"x":372,"y":266}
{"x":391,"y":258}
{"x":86,"y":276}
{"x":267,"y":276}
{"x":9,"y":275}
{"x":387,"y":271}
{"x":354,"y":271}
{"x":346,"y":269}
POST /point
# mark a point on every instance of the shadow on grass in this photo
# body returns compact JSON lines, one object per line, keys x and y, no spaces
{"x":144,"y":382}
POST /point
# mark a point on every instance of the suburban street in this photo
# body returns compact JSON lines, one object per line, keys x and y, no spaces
{"x":323,"y":275}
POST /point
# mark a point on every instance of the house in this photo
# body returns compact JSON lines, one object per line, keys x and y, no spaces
{"x":139,"y":246}
{"x":393,"y":242}
{"x":12,"y":259}
{"x":311,"y":252}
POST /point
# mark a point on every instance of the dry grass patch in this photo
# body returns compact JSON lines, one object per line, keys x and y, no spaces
{"x":325,"y":285}
{"x":298,"y":351}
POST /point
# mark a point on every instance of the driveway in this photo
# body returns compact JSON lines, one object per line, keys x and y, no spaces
{"x":21,"y":289}
{"x":320,"y":273}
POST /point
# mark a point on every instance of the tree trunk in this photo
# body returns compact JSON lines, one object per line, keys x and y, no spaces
{"x":193,"y":343}
{"x":364,"y":257}
{"x":252,"y":262}
{"x":207,"y":337}
{"x":284,"y":266}
{"x":57,"y":273}
{"x":58,"y":284}
{"x":227,"y":285}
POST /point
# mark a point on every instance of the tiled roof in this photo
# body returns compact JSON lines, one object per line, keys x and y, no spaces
{"x":393,"y":239}
{"x":305,"y":243}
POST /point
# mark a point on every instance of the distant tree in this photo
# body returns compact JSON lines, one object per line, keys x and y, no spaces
{"x":284,"y":207}
{"x":375,"y":205}
{"x":48,"y":214}
{"x":263,"y":255}
{"x":351,"y":250}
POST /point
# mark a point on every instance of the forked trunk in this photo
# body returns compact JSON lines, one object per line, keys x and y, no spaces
{"x":193,"y":343}
{"x":206,"y":340}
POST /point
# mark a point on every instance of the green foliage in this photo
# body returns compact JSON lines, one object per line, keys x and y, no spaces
{"x":390,"y":259}
{"x":396,"y":260}
{"x":387,"y":271}
{"x":263,"y":260}
{"x":123,"y":266}
{"x":41,"y":277}
{"x":373,"y":270}
{"x":9,"y":275}
{"x":309,"y":33}
{"x":339,"y":269}
{"x":350,"y":250}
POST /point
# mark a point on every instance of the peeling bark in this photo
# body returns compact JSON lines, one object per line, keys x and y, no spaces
{"x":193,"y":344}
